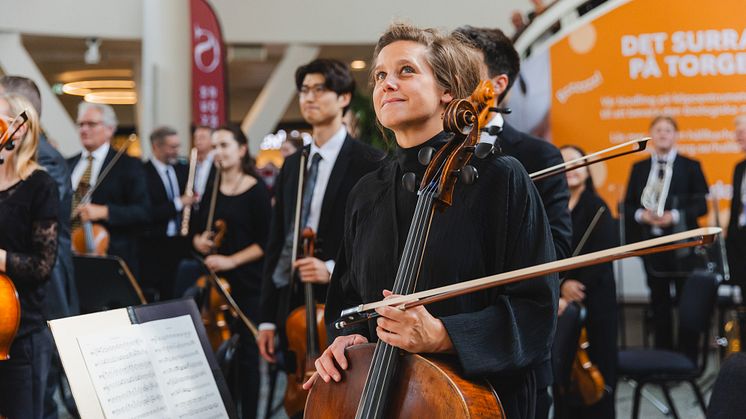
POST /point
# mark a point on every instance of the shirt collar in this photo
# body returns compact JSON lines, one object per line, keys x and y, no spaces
{"x":668,"y":157}
{"x":496,"y":121}
{"x":159,"y":165}
{"x":98,"y":154}
{"x":331,"y":148}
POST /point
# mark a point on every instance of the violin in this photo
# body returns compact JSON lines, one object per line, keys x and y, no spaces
{"x":305,"y":343}
{"x":585,"y":379}
{"x":10,"y":306}
{"x":92,"y":238}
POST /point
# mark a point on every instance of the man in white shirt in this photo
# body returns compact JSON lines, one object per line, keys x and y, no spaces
{"x":120,"y":201}
{"x":163,"y":246}
{"x":334,"y":164}
{"x":202,"y":140}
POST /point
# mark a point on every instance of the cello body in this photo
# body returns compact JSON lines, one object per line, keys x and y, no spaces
{"x":90,"y":239}
{"x":10,"y":315}
{"x":295,"y":326}
{"x":428,"y":384}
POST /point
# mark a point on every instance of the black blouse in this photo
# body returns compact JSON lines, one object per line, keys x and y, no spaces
{"x":495,"y":225}
{"x":247,"y":216}
{"x":28,"y":232}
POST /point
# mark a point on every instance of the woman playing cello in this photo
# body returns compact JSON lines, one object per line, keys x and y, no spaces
{"x":28,"y":246}
{"x":243,"y":203}
{"x":494,"y":225}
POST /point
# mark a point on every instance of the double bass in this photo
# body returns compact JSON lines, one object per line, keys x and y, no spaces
{"x":10,"y":305}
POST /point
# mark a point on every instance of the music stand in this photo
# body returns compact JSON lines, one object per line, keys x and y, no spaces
{"x":105,"y":283}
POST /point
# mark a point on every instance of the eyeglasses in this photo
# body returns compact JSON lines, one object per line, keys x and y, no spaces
{"x":88,"y":124}
{"x":316,"y":90}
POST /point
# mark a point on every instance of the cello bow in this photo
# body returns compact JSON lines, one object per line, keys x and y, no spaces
{"x":365,"y":312}
{"x":632,"y":146}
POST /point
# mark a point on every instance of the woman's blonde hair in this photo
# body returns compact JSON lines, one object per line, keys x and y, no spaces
{"x":26,"y":146}
{"x":454,"y":61}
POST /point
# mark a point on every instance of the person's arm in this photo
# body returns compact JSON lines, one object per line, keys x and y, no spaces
{"x":555,"y":196}
{"x":135,"y":210}
{"x":514,"y":330}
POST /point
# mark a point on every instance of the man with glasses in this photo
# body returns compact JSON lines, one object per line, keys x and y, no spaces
{"x":120,"y":202}
{"x":335,"y":163}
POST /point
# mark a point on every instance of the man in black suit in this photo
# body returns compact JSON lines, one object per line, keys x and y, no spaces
{"x":736,"y":239}
{"x":162,"y":246}
{"x":500,"y":65}
{"x":665,"y":194}
{"x":336,"y":162}
{"x":120,"y":202}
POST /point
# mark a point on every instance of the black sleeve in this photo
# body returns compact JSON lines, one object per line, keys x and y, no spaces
{"x":516,"y":330}
{"x":631,"y":205}
{"x":261,"y":215}
{"x":341,"y":292}
{"x":136,"y":207}
{"x":556,"y":196}
{"x":602,"y":237}
{"x":36,"y":265}
{"x":276,"y":238}
{"x":696,"y":202}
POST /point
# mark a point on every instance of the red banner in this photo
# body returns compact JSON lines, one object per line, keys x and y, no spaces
{"x":209,"y":99}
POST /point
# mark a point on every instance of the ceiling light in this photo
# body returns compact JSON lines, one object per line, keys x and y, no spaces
{"x":82,"y":88}
{"x":357,"y":65}
{"x":112,"y":97}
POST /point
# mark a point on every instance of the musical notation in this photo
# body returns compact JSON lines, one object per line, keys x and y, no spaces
{"x":154,"y":369}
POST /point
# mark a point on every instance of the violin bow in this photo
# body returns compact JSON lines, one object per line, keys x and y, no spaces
{"x":229,"y":299}
{"x":364,"y":312}
{"x":296,"y":216}
{"x":635,"y":145}
{"x":87,"y":197}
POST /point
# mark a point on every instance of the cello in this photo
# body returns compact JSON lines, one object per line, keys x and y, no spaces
{"x":380,"y":381}
{"x":10,"y":306}
{"x":92,"y":238}
{"x":305,"y":343}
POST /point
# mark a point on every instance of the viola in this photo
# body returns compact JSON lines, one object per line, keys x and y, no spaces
{"x":585,"y":378}
{"x":10,"y":306}
{"x":93,"y":238}
{"x":215,"y":309}
{"x":382,"y":382}
{"x":304,"y":343}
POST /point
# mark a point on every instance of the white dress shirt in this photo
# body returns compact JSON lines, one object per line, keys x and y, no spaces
{"x":99,"y":155}
{"x":165,"y":172}
{"x":496,"y":121}
{"x":201,"y":173}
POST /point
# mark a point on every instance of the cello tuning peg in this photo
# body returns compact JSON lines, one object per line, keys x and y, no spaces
{"x":425,"y":155}
{"x":409,"y":182}
{"x":483,"y":150}
{"x":468,"y":175}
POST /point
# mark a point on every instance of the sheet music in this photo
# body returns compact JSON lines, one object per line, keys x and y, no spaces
{"x":181,"y":366}
{"x":123,"y":374}
{"x":155,"y":369}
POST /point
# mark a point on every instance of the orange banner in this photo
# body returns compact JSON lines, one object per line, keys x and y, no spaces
{"x":643,"y":58}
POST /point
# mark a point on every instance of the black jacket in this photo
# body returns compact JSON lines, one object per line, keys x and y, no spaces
{"x":686,"y":194}
{"x":162,"y":209}
{"x":355,"y":159}
{"x":536,"y":154}
{"x":124,"y":192}
{"x":736,"y":239}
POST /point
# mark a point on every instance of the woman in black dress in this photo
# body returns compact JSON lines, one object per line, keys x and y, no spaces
{"x":243,"y":203}
{"x":28,"y":246}
{"x":593,"y":286}
{"x":495,"y":225}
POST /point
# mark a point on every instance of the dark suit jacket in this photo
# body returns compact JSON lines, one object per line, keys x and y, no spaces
{"x":162,"y":208}
{"x":62,"y":295}
{"x":736,"y":240}
{"x":124,"y":192}
{"x":536,"y":154}
{"x":355,"y":159}
{"x":686,"y":194}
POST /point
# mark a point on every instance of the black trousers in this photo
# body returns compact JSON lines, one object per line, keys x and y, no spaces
{"x":661,"y":271}
{"x":518,"y":395}
{"x":23,"y":378}
{"x":159,"y":260}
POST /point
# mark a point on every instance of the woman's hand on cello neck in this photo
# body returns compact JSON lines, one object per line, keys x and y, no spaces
{"x":414,"y":330}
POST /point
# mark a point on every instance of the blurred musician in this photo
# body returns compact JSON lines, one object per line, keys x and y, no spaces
{"x":665,"y":194}
{"x":736,"y":240}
